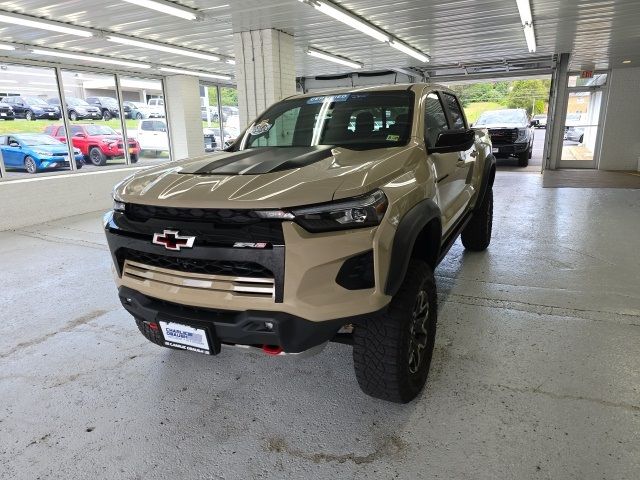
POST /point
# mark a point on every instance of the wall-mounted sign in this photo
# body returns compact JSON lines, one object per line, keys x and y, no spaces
{"x":586,"y":74}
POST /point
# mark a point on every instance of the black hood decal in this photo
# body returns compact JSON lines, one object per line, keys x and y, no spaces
{"x":257,"y":161}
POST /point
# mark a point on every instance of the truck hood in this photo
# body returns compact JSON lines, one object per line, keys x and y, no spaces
{"x":269,"y":177}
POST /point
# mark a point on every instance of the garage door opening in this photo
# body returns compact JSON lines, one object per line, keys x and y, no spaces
{"x":515,"y":113}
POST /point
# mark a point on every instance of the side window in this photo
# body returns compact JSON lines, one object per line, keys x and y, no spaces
{"x":146,"y":126}
{"x":76,"y":129}
{"x":435,"y":121}
{"x":3,"y":140}
{"x":454,"y":110}
{"x":281,"y":133}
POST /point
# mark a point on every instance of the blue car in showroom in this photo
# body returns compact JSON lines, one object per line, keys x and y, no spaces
{"x":35,"y":152}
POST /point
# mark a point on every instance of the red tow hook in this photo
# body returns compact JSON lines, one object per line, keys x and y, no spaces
{"x":272,"y":350}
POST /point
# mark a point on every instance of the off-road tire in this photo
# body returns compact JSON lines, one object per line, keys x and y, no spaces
{"x":476,"y":236}
{"x":152,"y":335}
{"x":30,"y":165}
{"x":382,"y":344}
{"x":97,"y":157}
{"x":523,"y":158}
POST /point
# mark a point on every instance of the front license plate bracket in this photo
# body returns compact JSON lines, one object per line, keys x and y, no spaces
{"x":191,"y":337}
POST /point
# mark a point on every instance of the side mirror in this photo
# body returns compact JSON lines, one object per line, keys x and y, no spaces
{"x":15,"y":144}
{"x":453,"y":141}
{"x":80,"y":135}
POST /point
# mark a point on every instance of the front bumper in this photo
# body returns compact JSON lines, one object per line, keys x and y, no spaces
{"x":47,"y":115}
{"x":57,"y":162}
{"x":510,"y":149}
{"x":248,"y":328}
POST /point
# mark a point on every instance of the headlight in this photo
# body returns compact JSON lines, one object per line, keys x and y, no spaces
{"x":118,"y":206}
{"x":522,"y":134}
{"x":359,"y":212}
{"x":42,"y":152}
{"x":81,"y":110}
{"x":77,"y":151}
{"x":37,"y":109}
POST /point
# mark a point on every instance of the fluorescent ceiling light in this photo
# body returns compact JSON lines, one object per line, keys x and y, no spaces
{"x":12,"y":81}
{"x":350,"y":19}
{"x":409,"y":51}
{"x":6,"y":47}
{"x":163,"y":48}
{"x":33,"y":22}
{"x":524,"y":7}
{"x":195,"y":73}
{"x":333,"y":58}
{"x":168,"y":8}
{"x":90,"y":58}
{"x":530,"y":36}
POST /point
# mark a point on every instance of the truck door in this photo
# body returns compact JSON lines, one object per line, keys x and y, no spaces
{"x":465,"y":160}
{"x":448,"y":185}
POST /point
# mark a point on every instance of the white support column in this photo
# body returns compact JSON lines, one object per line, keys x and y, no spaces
{"x":182,"y":105}
{"x":265,"y":70}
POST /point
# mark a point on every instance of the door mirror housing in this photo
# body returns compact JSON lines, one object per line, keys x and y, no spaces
{"x":453,"y":141}
{"x":79,"y":135}
{"x":14,"y":144}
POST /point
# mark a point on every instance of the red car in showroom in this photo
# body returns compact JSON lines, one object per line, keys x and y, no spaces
{"x":98,"y":143}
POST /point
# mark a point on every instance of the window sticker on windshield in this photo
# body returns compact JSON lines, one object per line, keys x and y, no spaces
{"x":393,"y":138}
{"x":334,"y":98}
{"x":259,"y":128}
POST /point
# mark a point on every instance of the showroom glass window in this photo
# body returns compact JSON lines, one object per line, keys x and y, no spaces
{"x":28,"y":150}
{"x":91,"y":99}
{"x":365,"y":120}
{"x":145,"y":120}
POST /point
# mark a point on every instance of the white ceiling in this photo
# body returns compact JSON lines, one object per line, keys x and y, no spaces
{"x":603,"y":32}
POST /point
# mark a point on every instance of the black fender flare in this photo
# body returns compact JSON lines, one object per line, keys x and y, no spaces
{"x":488,"y":176}
{"x":409,"y":228}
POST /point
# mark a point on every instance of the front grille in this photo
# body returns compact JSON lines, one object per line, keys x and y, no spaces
{"x":503,"y":136}
{"x":192,"y":265}
{"x":142,"y":213}
{"x":222,"y":227}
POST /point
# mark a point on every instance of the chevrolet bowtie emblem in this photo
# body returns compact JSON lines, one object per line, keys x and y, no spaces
{"x":171,"y":240}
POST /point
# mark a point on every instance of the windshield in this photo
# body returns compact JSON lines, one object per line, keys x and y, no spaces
{"x":35,"y":101}
{"x":76,"y":102}
{"x":100,"y":130}
{"x":501,"y":116}
{"x":363,"y":120}
{"x":34,"y":140}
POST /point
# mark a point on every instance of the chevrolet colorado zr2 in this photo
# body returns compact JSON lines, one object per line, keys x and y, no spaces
{"x":323,"y":221}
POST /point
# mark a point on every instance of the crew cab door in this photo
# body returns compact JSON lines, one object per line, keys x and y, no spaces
{"x":454,"y":171}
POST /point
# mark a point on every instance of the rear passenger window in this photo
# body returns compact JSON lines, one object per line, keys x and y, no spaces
{"x":435,"y":120}
{"x":454,"y":110}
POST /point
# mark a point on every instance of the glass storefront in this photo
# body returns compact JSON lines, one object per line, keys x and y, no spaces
{"x":101,"y":111}
{"x":29,"y":105}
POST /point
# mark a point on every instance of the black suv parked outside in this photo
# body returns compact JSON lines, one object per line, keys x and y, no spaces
{"x":78,"y":109}
{"x":511,"y":133}
{"x":107,"y":105}
{"x":32,"y":108}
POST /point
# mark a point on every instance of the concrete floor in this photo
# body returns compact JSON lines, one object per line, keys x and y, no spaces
{"x":536,"y":372}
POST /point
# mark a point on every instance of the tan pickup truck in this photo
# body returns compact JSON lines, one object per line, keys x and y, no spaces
{"x":324,"y":221}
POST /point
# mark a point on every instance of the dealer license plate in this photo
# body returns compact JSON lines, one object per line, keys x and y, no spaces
{"x":496,"y":150}
{"x":51,"y":114}
{"x":185,"y":337}
{"x":3,"y":114}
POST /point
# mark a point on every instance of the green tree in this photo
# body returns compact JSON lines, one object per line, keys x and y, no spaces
{"x":531,"y":95}
{"x":228,"y":95}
